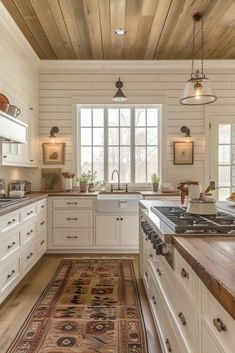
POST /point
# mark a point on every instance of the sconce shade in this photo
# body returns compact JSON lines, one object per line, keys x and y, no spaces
{"x":119,"y":95}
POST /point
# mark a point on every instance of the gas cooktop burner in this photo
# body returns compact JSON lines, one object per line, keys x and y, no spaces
{"x":182,"y":222}
{"x":8,"y":201}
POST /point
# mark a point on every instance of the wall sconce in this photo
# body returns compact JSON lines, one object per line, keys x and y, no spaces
{"x":186,"y":131}
{"x":119,"y":95}
{"x":53,"y":132}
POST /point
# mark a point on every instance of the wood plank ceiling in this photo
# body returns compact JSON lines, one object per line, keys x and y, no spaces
{"x":156,"y":29}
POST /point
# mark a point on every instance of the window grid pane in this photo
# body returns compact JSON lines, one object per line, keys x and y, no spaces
{"x":129,"y":140}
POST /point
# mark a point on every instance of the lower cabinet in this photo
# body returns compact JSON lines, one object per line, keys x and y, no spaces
{"x":117,"y":230}
{"x":23,"y":239}
{"x":208,"y":343}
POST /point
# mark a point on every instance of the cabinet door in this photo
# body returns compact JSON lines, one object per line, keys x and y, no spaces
{"x":13,"y":154}
{"x":129,"y":230}
{"x":107,"y":230}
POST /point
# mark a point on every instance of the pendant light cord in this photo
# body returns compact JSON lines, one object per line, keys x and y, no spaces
{"x":202,"y":38}
{"x":194,"y":25}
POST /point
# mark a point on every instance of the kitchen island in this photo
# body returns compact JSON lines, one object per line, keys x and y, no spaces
{"x":190,"y":282}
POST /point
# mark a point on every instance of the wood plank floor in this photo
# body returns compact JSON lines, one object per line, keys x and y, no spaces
{"x":14,"y":310}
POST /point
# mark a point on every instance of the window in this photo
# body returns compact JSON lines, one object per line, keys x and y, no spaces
{"x":126,"y":139}
{"x":223,"y":155}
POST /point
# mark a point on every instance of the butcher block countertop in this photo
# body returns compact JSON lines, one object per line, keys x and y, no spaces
{"x":213,"y":260}
{"x":32,"y":197}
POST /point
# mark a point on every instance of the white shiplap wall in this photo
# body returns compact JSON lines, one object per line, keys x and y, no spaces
{"x":64,"y":83}
{"x":18,"y":80}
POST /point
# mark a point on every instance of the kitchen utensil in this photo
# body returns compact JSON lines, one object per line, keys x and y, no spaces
{"x":206,"y":206}
{"x":4,"y":103}
{"x":19,"y":185}
{"x":13,"y":110}
{"x":183,"y":187}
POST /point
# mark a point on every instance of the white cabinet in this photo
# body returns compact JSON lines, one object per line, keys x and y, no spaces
{"x":117,"y":230}
{"x":208,"y":344}
{"x":23,"y":239}
{"x":107,"y":230}
{"x":71,"y":223}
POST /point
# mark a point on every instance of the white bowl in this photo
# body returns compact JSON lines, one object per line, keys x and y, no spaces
{"x":16,"y":193}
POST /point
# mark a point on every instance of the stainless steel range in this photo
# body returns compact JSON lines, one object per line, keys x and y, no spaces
{"x":8,"y":201}
{"x":160,"y":221}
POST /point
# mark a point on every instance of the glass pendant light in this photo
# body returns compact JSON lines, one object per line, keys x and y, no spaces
{"x":119,"y":95}
{"x":197,"y":90}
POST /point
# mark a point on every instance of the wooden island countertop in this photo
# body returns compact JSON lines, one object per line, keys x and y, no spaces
{"x":213,"y":260}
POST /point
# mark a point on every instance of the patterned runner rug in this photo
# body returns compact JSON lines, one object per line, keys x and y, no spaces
{"x":90,"y":306}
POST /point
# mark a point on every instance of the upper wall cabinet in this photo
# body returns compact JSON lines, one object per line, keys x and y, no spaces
{"x":23,"y":155}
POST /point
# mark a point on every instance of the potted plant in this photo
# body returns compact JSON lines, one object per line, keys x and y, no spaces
{"x":83,"y":182}
{"x":92,"y":181}
{"x":155,"y":181}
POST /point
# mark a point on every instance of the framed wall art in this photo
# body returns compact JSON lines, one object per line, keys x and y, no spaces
{"x":51,"y":180}
{"x":53,"y":153}
{"x":183,"y":153}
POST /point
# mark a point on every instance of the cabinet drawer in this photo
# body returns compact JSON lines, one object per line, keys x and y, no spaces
{"x":72,"y":237}
{"x":162,"y":321}
{"x":9,"y":273}
{"x":28,"y":254}
{"x":9,"y":221}
{"x":28,"y":212}
{"x":73,"y":202}
{"x":72,"y":218}
{"x":218,"y":321}
{"x":10,"y":242}
{"x":28,"y":231}
{"x":41,"y":223}
{"x":208,"y":344}
{"x":42,"y":243}
{"x":42,"y":206}
{"x":187,"y":277}
{"x":183,"y":315}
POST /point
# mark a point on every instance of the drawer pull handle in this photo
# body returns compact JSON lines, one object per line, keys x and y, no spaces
{"x":182,"y":318}
{"x":12,"y":244}
{"x":72,"y":236}
{"x":159,"y":272}
{"x":30,"y":232}
{"x":154,"y":300}
{"x":150,"y":255}
{"x":146,"y":239}
{"x":12,"y":273}
{"x":72,"y":203}
{"x":220,"y":326}
{"x":184,"y":273}
{"x":168,"y":345}
{"x":146,"y":274}
{"x":42,"y":223}
{"x":42,"y":206}
{"x":72,"y":219}
{"x":29,"y":213}
{"x":28,"y":257}
{"x":12,"y":221}
{"x":42,"y":242}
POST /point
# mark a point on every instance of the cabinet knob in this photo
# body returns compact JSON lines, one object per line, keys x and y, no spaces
{"x":220,"y":326}
{"x":184,"y":273}
{"x":168,"y":345}
{"x":182,"y":318}
{"x":117,"y":219}
{"x":146,"y":274}
{"x":121,"y":219}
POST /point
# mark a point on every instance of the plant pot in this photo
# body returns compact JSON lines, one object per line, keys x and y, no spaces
{"x":83,"y":187}
{"x":155,"y":187}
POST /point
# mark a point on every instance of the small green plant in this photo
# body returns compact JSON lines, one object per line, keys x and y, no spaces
{"x":155,"y":178}
{"x":88,"y":177}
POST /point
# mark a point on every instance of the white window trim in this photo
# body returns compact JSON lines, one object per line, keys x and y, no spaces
{"x":161,"y":127}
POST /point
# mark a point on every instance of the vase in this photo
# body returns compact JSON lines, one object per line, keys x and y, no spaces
{"x":68,"y":184}
{"x":91,"y":187}
{"x":155,"y":187}
{"x":83,"y":187}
